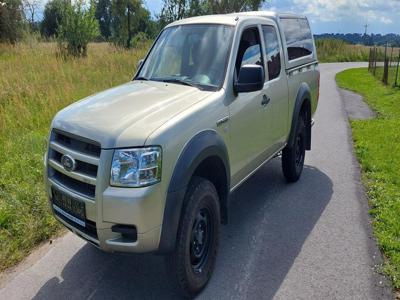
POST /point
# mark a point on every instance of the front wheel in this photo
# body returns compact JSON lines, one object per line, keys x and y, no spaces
{"x":191,"y":264}
{"x":293,"y":156}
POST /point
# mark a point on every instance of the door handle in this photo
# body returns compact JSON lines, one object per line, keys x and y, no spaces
{"x":265,"y":100}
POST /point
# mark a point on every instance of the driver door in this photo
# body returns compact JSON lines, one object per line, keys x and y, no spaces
{"x":249,"y":113}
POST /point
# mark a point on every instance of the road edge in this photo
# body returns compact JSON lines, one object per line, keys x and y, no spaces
{"x":383,"y":283}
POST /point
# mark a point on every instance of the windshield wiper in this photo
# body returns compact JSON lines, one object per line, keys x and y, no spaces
{"x":179,"y":81}
{"x":202,"y":87}
{"x":141,"y":78}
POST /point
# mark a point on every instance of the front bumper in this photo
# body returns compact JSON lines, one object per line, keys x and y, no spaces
{"x":110,"y":241}
{"x":139,"y":208}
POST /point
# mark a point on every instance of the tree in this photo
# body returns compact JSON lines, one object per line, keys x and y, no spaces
{"x":30,"y":8}
{"x":53,"y":16}
{"x":174,"y":10}
{"x":178,"y":9}
{"x":78,"y":27}
{"x":129,"y":19}
{"x":230,"y":6}
{"x":122,"y":11}
{"x":104,"y":17}
{"x":12,"y":23}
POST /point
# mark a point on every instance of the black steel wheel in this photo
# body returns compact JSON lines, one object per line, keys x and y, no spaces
{"x":300,"y":152}
{"x":293,"y":155}
{"x":200,"y":240}
{"x":191,"y":265}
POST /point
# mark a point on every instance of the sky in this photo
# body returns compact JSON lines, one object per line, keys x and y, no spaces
{"x":334,"y":16}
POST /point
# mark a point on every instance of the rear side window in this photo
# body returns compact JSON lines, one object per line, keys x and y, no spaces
{"x":298,"y":36}
{"x":273,"y":51}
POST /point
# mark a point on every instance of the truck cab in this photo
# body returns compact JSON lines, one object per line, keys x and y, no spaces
{"x":148,"y":166}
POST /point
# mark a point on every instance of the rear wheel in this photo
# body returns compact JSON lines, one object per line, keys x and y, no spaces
{"x":293,"y":156}
{"x":192,"y":262}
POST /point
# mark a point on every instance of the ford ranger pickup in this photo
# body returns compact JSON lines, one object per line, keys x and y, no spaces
{"x":148,"y":166}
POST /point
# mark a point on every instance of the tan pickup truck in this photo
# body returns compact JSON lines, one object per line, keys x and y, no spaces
{"x":148,"y":166}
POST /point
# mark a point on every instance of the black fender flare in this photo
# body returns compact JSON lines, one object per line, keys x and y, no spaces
{"x":303,"y":98}
{"x":203,"y":145}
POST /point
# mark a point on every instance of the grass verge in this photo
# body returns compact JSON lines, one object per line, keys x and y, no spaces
{"x":34,"y":85}
{"x":377,"y":146}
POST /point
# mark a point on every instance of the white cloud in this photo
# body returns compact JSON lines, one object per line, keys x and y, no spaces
{"x":386,"y":20}
{"x":337,"y":10}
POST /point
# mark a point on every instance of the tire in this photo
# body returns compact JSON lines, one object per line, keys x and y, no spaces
{"x":293,"y":156}
{"x":191,"y":264}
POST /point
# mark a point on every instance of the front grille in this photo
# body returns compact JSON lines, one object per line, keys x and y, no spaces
{"x":82,"y":167}
{"x":76,"y":143}
{"x":84,"y":189}
{"x":86,"y":153}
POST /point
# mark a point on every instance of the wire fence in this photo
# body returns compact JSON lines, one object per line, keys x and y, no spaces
{"x":384,"y":64}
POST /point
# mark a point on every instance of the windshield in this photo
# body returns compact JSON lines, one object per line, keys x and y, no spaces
{"x":190,"y":54}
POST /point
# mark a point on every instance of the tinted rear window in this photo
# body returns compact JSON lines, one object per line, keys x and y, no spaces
{"x":272,"y":51}
{"x":298,"y":36}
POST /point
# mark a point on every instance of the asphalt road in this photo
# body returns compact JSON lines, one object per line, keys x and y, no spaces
{"x":309,"y":240}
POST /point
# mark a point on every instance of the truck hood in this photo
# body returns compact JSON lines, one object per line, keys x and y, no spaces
{"x":126,"y":115}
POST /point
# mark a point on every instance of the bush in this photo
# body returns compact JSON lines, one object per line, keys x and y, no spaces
{"x":139,"y":40}
{"x":78,"y":27}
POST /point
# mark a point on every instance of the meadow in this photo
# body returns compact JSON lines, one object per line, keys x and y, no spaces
{"x":331,"y":50}
{"x":35,"y":83}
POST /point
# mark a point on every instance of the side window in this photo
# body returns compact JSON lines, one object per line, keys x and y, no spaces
{"x":298,"y":37}
{"x":249,"y":51}
{"x":273,"y":51}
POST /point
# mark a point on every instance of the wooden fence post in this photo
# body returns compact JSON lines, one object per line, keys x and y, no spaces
{"x":385,"y":67}
{"x":375,"y":59}
{"x":397,"y":70}
{"x":385,"y":76}
{"x":391,"y":57}
{"x":369,"y":59}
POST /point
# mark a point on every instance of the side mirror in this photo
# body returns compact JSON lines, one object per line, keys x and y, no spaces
{"x":140,"y":63}
{"x":251,"y":78}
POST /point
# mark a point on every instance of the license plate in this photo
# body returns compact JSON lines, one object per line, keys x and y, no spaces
{"x":69,"y":207}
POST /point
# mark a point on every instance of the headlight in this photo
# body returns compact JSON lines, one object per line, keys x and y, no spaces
{"x":136,"y":167}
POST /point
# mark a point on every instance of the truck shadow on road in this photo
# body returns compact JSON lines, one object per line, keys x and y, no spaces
{"x":269,"y":222}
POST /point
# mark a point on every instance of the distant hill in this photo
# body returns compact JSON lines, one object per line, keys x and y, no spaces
{"x":369,"y":39}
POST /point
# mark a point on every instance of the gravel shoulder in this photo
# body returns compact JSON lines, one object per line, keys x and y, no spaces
{"x":355,"y":106}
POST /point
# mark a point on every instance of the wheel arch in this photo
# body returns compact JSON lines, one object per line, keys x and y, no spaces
{"x":204,"y":155}
{"x":302,"y":106}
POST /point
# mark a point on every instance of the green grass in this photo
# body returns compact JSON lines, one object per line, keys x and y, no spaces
{"x":377,"y":145}
{"x":391,"y":75}
{"x":34,"y":85}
